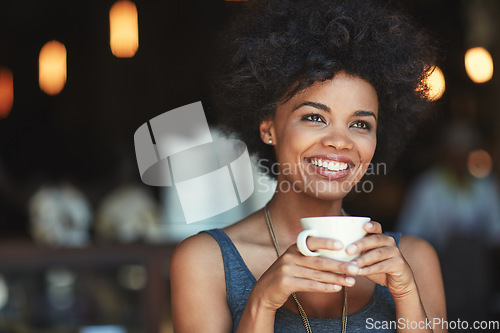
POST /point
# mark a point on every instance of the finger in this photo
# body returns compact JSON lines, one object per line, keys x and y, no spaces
{"x":373,"y":256}
{"x":373,"y":227}
{"x":326,"y":265}
{"x":323,"y":276}
{"x":380,"y":267}
{"x":316,"y":243}
{"x":370,"y":242}
{"x":306,"y":285}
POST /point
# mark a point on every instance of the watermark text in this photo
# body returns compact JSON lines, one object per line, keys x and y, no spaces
{"x":431,"y":324}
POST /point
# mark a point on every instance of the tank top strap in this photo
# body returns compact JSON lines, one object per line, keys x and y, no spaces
{"x":395,"y":235}
{"x":232,"y":258}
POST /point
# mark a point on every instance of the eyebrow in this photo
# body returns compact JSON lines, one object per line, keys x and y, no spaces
{"x":365,"y":114}
{"x":314,"y":105}
{"x":359,"y":113}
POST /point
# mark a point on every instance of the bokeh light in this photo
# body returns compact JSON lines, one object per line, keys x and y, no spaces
{"x":436,"y":83}
{"x":6,"y":92}
{"x":479,"y":64}
{"x":479,"y":163}
{"x":52,"y":67}
{"x":123,"y":29}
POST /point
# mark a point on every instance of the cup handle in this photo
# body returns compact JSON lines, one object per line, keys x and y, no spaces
{"x":302,"y":244}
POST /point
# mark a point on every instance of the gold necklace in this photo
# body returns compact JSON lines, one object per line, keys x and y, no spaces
{"x":303,"y":315}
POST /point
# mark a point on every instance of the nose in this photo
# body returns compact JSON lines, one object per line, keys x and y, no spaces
{"x":337,"y":138}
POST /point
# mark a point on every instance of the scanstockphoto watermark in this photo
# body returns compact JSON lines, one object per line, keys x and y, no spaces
{"x":372,"y":169}
{"x":363,"y":186}
{"x":435,"y":323}
{"x":299,"y":186}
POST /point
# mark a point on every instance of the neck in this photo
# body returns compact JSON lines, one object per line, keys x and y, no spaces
{"x":286,"y":210}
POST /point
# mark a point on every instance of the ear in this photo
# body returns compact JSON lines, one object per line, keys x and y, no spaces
{"x":267,"y":133}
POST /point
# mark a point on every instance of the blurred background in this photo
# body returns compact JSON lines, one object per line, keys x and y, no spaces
{"x":85,"y":246}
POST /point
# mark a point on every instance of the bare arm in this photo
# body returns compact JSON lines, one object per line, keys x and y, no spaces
{"x":428,"y":290}
{"x":411,"y":273}
{"x":198,"y":287}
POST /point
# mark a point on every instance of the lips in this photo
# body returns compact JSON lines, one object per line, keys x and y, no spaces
{"x":332,"y":167}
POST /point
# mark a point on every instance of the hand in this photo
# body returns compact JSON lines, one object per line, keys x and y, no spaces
{"x":294,"y":272}
{"x":381,"y":261}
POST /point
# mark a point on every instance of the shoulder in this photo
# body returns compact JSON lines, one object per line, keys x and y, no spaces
{"x":197,"y":283}
{"x":196,"y":262}
{"x":196,"y":252}
{"x":416,"y":250}
{"x":423,"y":261}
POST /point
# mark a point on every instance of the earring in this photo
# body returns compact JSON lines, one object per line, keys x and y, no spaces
{"x":270,"y":141}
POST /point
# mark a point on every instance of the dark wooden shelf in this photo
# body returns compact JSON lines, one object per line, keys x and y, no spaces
{"x":24,"y":256}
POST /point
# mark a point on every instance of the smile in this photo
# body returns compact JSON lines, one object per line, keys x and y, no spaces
{"x":329,"y":165}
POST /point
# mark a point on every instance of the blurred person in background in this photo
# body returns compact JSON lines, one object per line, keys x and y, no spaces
{"x":458,"y":211}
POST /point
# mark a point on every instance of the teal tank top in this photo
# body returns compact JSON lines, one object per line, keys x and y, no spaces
{"x":376,"y":316}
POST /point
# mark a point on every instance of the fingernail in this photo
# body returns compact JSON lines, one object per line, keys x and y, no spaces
{"x":351,"y":249}
{"x":337,"y":287}
{"x":352,"y":269}
{"x":338,"y":245}
{"x":369,"y":225}
{"x":350,"y":280}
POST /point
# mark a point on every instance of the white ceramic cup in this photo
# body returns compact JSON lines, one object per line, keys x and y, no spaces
{"x":346,"y":229}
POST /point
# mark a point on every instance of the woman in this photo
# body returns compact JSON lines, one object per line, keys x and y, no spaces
{"x":313,"y":88}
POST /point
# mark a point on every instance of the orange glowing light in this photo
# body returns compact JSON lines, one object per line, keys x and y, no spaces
{"x":6,"y":92}
{"x":123,"y":29}
{"x":52,"y":67}
{"x":479,"y":64}
{"x":436,"y":83}
{"x":479,"y":163}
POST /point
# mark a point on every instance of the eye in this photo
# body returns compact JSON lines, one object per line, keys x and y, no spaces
{"x":313,"y":117}
{"x":361,"y":124}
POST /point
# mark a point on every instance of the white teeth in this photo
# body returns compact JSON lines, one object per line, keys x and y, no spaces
{"x":330,"y":165}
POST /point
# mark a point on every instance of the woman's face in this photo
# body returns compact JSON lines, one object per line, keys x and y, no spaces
{"x":325,"y":137}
